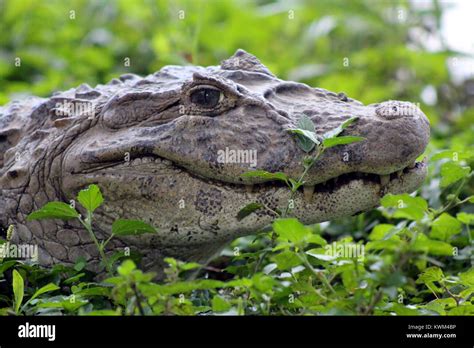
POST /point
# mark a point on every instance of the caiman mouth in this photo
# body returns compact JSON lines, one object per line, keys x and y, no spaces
{"x":148,"y":164}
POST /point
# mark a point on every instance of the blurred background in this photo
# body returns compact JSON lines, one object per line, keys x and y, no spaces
{"x":420,"y":50}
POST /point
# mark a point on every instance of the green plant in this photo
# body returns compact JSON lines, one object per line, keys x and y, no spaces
{"x":90,"y":199}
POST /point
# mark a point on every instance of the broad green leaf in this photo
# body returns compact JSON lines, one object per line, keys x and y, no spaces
{"x":291,"y":230}
{"x":248,"y":209}
{"x":336,"y":131}
{"x":54,"y":210}
{"x":330,"y":142}
{"x":466,"y":218}
{"x":304,"y":122}
{"x":306,"y":142}
{"x":452,"y":155}
{"x":18,"y":290}
{"x":431,"y":274}
{"x":432,"y":247}
{"x":286,"y":260}
{"x":123,"y":227}
{"x":306,"y":139}
{"x":316,"y":239}
{"x":47,"y":288}
{"x":444,"y":227}
{"x":81,"y":262}
{"x":382,"y":231}
{"x":266,"y":175}
{"x":126,"y":268}
{"x":467,"y":278}
{"x":452,"y":172}
{"x":219,"y":304}
{"x":400,"y":309}
{"x":389,"y":244}
{"x":321,"y":254}
{"x":406,"y":206}
{"x":90,"y":198}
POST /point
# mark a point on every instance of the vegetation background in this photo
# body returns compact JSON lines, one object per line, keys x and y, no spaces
{"x":420,"y":254}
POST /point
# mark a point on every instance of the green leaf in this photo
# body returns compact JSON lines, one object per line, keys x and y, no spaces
{"x":54,"y":210}
{"x":305,"y":132}
{"x":304,"y":122}
{"x":330,"y":142}
{"x":286,"y":260}
{"x":432,"y":247}
{"x":336,"y":131}
{"x":81,"y":262}
{"x":466,"y":218}
{"x":467,"y":278}
{"x":248,"y":209}
{"x":126,"y":268}
{"x":266,"y":175}
{"x":452,"y":155}
{"x":452,"y":172}
{"x":123,"y":227}
{"x":18,"y":290}
{"x":90,"y":198}
{"x":219,"y":304}
{"x":47,"y":288}
{"x":444,"y":227}
{"x":291,"y":230}
{"x":431,"y":274}
{"x":408,"y":207}
{"x":383,"y":231}
{"x":316,"y":239}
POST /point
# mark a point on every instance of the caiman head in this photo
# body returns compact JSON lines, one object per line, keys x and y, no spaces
{"x":170,"y":149}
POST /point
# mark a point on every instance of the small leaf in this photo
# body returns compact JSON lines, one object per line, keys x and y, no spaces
{"x":219,"y":304}
{"x":90,"y":198}
{"x":452,"y":172}
{"x":431,"y":274}
{"x":291,"y":229}
{"x":248,"y":209}
{"x":123,"y":227}
{"x":336,"y":131}
{"x":286,"y":260}
{"x":47,"y":288}
{"x":54,"y":210}
{"x":304,"y":122}
{"x":126,"y":268}
{"x":408,"y":207}
{"x":18,"y":290}
{"x":330,"y":142}
{"x":306,"y":139}
{"x":444,"y":227}
{"x":80,"y":264}
{"x":466,"y":218}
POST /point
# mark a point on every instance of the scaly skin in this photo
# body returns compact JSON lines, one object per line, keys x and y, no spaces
{"x":152,"y":146}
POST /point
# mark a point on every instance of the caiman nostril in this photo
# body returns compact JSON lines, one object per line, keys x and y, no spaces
{"x":396,"y":109}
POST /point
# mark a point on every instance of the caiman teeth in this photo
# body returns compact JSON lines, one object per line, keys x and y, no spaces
{"x":308,"y":191}
{"x":399,"y":173}
{"x":384,"y":179}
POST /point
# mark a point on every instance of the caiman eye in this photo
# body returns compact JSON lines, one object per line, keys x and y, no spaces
{"x":207,"y":97}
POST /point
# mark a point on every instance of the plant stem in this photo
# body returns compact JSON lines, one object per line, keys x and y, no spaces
{"x":88,"y":226}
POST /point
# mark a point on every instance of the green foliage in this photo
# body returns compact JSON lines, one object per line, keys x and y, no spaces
{"x":412,"y":256}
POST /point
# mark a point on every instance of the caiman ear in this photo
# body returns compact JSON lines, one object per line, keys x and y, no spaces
{"x":242,"y":60}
